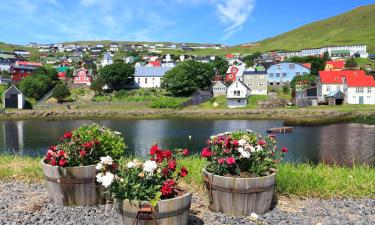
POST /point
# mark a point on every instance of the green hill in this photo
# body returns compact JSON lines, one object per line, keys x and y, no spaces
{"x":353,"y":27}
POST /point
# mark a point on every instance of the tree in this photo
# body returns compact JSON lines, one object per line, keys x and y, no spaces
{"x":187,"y":77}
{"x":317,"y":63}
{"x":97,"y":85}
{"x":326,"y":56}
{"x":69,"y":73}
{"x":249,"y":59}
{"x":221,"y":65}
{"x":61,"y":92}
{"x":118,"y":75}
{"x":36,"y":86}
{"x":303,"y":81}
{"x":47,"y":71}
{"x":350,"y":63}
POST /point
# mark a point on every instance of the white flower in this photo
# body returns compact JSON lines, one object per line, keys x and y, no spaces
{"x":107,"y":179}
{"x":99,"y":166}
{"x":253,"y":217}
{"x":259,"y":148}
{"x":116,"y":132}
{"x":99,"y":177}
{"x":242,"y":142}
{"x":106,"y":160}
{"x":149,"y":166}
{"x":215,"y":104}
{"x":245,"y":154}
{"x":131,"y":165}
{"x":252,"y":149}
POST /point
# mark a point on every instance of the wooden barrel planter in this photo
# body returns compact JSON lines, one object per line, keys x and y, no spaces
{"x":73,"y":185}
{"x":173,"y":211}
{"x":239,"y":196}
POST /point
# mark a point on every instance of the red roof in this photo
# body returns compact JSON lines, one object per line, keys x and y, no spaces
{"x":307,"y":65}
{"x":23,"y":63}
{"x":339,"y":64}
{"x":155,"y":63}
{"x":354,"y":78}
{"x":229,"y":56}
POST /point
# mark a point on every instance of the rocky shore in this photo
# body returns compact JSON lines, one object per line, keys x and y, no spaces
{"x":23,"y":203}
{"x":291,"y":116}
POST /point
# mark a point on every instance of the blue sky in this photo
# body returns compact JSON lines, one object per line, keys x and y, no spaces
{"x":204,"y":21}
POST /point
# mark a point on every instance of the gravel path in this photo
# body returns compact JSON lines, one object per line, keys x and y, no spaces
{"x":22,"y":203}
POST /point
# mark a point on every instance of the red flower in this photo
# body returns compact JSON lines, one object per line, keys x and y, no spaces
{"x":167,"y":190}
{"x":172,"y":165}
{"x":62,"y":162}
{"x":61,"y":153}
{"x":221,"y":161}
{"x":87,"y":145}
{"x":235,"y":143}
{"x":262,"y":142}
{"x":49,"y":154}
{"x":53,"y":162}
{"x":231,"y":160}
{"x":206,"y":153}
{"x":183,"y":172}
{"x":82,"y":153}
{"x":154,"y":149}
{"x":170,"y":182}
{"x":185,"y":152}
{"x":159,"y":157}
{"x":167,"y":154}
{"x":226,"y":150}
{"x":284,"y":149}
{"x":96,"y":142}
{"x":53,"y":148}
{"x":67,"y":135}
{"x":114,"y":166}
{"x":208,"y":142}
{"x":272,"y":136}
{"x":165,"y":171}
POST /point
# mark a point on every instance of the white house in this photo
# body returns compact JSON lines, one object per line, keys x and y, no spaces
{"x":357,"y":87}
{"x":237,"y":94}
{"x":353,"y":49}
{"x":13,"y":98}
{"x":113,"y":47}
{"x":219,"y":88}
{"x":107,"y":60}
{"x":149,"y":77}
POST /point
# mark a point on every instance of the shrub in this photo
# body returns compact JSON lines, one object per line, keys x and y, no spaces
{"x":85,"y":146}
{"x":151,"y":180}
{"x":163,"y":103}
{"x":242,"y":153}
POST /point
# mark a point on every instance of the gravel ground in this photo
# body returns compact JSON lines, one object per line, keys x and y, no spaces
{"x":22,"y":203}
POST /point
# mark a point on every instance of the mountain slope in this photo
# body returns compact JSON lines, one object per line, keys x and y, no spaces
{"x":353,"y":27}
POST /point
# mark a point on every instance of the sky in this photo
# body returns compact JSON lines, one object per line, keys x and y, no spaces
{"x":228,"y":22}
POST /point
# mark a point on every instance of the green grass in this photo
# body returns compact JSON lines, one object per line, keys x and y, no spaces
{"x":293,"y":180}
{"x":3,"y":88}
{"x":222,"y":102}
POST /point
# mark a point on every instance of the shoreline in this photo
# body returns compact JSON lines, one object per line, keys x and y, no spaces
{"x":292,"y":117}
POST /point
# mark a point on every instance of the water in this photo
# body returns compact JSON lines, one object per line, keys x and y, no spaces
{"x":340,"y":143}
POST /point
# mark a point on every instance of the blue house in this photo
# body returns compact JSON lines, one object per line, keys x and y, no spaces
{"x":282,"y":73}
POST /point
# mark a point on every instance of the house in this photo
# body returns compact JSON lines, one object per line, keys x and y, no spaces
{"x":256,"y":81}
{"x":219,"y":88}
{"x":353,"y":49}
{"x":107,"y":59}
{"x":311,"y":52}
{"x":357,"y":87}
{"x":237,"y":94}
{"x":82,"y":76}
{"x":282,"y":73}
{"x":235,"y":72}
{"x":61,"y":72}
{"x":113,"y":47}
{"x":200,"y":96}
{"x":336,"y":54}
{"x":149,"y":76}
{"x":5,"y":64}
{"x":129,"y":59}
{"x":13,"y":98}
{"x":306,"y":97}
{"x":21,"y":69}
{"x":5,"y":79}
{"x":335,"y":98}
{"x":21,"y":52}
{"x":336,"y":65}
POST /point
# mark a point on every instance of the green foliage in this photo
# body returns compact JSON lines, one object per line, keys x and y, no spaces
{"x":36,"y":86}
{"x":249,"y":59}
{"x":187,"y":77}
{"x":286,"y":88}
{"x":97,"y":85}
{"x":350,"y":63}
{"x":69,"y":73}
{"x":85,"y":146}
{"x":61,"y":91}
{"x":118,"y":75}
{"x":304,"y":81}
{"x":220,"y":65}
{"x":167,"y":102}
{"x":47,"y":71}
{"x":317,"y":63}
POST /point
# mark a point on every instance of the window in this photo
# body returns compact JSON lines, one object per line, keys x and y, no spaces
{"x":292,"y":66}
{"x":249,"y":84}
{"x":145,"y":80}
{"x":139,"y":80}
{"x":304,"y":73}
{"x":260,"y":83}
{"x":277,"y":74}
{"x":284,"y":75}
{"x":271,"y":75}
{"x":277,"y":83}
{"x":359,"y":90}
{"x":298,"y":73}
{"x":328,"y":88}
{"x":153,"y":80}
{"x":278,"y":66}
{"x":239,"y":100}
{"x":368,"y":90}
{"x":271,"y":83}
{"x":338,"y":88}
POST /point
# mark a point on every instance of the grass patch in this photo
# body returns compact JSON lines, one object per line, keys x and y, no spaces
{"x":293,"y":180}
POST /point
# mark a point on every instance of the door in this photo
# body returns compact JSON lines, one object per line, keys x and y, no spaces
{"x":361,"y":100}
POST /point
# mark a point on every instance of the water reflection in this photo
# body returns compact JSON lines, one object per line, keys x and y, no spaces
{"x":341,"y":143}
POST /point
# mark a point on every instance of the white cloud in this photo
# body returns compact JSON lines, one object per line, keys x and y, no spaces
{"x":234,"y":13}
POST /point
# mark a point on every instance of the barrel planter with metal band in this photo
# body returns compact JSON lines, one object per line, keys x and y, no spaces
{"x":173,"y":211}
{"x":72,"y":185}
{"x":239,"y":196}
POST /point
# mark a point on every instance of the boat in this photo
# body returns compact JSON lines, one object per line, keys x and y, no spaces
{"x":280,"y":130}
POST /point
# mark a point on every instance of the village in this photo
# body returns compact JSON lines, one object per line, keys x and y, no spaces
{"x":310,"y":77}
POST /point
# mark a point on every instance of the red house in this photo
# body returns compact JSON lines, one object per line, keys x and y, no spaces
{"x":337,"y":65}
{"x":82,"y":76}
{"x":61,"y":72}
{"x":232,"y":73}
{"x":21,"y":69}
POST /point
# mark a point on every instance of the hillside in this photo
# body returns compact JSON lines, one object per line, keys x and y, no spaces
{"x":353,"y":27}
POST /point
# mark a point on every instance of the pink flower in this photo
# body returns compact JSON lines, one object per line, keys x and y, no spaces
{"x":262,"y":142}
{"x":284,"y":150}
{"x":82,"y":153}
{"x":206,"y":153}
{"x":62,"y":162}
{"x":221,"y":161}
{"x":87,"y":145}
{"x":226,"y":150}
{"x":231,"y":161}
{"x":67,"y":135}
{"x":185,"y":152}
{"x":61,"y":153}
{"x":183,"y":172}
{"x":172,"y":165}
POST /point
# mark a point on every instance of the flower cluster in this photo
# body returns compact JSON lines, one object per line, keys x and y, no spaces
{"x":242,"y":153}
{"x":149,"y":180}
{"x":84,"y":146}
